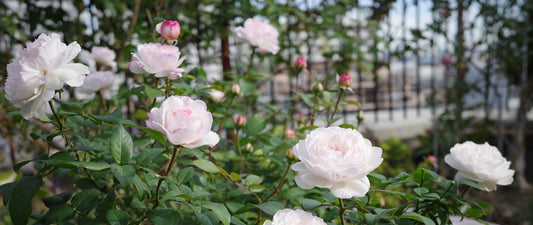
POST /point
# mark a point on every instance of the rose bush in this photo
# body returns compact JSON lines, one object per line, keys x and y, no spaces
{"x":482,"y":163}
{"x":336,"y":158}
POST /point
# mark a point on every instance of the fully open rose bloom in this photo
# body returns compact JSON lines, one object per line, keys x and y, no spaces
{"x":184,"y":121}
{"x":105,"y":82}
{"x":294,"y":217}
{"x":160,"y":60}
{"x":43,"y":67}
{"x":481,"y":163}
{"x":259,"y":34}
{"x":104,"y":56}
{"x":336,"y":158}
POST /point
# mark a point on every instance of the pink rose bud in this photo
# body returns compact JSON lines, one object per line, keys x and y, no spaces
{"x":169,"y":29}
{"x":345,"y":81}
{"x":446,"y":60}
{"x":301,"y":63}
{"x":240,"y":121}
{"x":432,"y":159}
{"x":289,"y":133}
{"x":236,"y":89}
{"x":290,"y":154}
{"x":445,"y":14}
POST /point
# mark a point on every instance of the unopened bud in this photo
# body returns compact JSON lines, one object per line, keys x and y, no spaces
{"x":216,"y":95}
{"x":319,"y":87}
{"x":236,"y":89}
{"x":240,"y":121}
{"x":290,"y":154}
{"x":169,"y":29}
{"x":446,"y":60}
{"x":345,"y":81}
{"x":248,"y":147}
{"x":360,"y":116}
{"x":301,"y":63}
{"x":445,"y":14}
{"x":289,"y":133}
{"x":432,"y":159}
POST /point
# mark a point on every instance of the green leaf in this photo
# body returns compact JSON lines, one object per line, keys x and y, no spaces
{"x":123,"y":173}
{"x":156,"y":135}
{"x":164,"y":217}
{"x":147,"y":155}
{"x":310,"y":204}
{"x":23,"y":193}
{"x":418,"y":217}
{"x":472,"y":184}
{"x":121,"y":145}
{"x":85,"y":200}
{"x":206,"y":165}
{"x":185,"y":175}
{"x":56,"y":200}
{"x":255,"y":125}
{"x":141,"y":186}
{"x":270,"y":207}
{"x":253,"y":179}
{"x":117,"y":217}
{"x":96,"y":166}
{"x":6,"y":190}
{"x":219,"y":209}
{"x":58,"y":215}
{"x":152,"y":92}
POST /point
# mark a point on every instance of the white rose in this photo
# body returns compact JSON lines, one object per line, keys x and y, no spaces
{"x":259,"y":34}
{"x":104,"y":56}
{"x":216,"y":95}
{"x":336,"y":158}
{"x":184,"y":121}
{"x":481,"y":163}
{"x":294,"y":217}
{"x":43,"y":67}
{"x":160,"y":60}
{"x":105,"y":82}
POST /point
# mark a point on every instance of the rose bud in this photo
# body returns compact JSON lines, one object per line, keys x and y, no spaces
{"x":240,"y":121}
{"x":289,"y":133}
{"x":446,"y":60}
{"x":169,"y":29}
{"x":301,"y":63}
{"x":345,"y":81}
{"x":236,"y":89}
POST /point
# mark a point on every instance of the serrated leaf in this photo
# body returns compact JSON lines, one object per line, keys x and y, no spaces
{"x":219,"y":209}
{"x":117,"y":217}
{"x":270,"y":208}
{"x":255,"y":125}
{"x":123,"y":173}
{"x":56,"y":200}
{"x":121,"y":145}
{"x":24,"y":191}
{"x":163,"y":216}
{"x":152,"y":92}
{"x":148,"y":155}
{"x":310,"y":204}
{"x":206,"y":165}
{"x":185,"y":175}
{"x":417,"y":217}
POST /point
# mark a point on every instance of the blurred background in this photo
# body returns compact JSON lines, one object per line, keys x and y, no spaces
{"x":427,"y":73}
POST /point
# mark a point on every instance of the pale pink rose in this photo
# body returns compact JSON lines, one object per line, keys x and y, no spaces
{"x":259,"y":34}
{"x":105,"y":82}
{"x":294,"y":217}
{"x":184,"y":121}
{"x":169,"y":29}
{"x":345,"y":81}
{"x":336,"y":158}
{"x":482,"y":163}
{"x":43,"y":67}
{"x":104,"y":56}
{"x":160,"y":60}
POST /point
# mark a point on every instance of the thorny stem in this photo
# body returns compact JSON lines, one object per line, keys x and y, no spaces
{"x":161,"y":178}
{"x":60,"y":124}
{"x":341,"y":92}
{"x":280,"y":183}
{"x":341,"y":210}
{"x":251,"y":62}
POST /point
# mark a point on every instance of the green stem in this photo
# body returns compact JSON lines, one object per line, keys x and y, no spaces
{"x":59,"y":123}
{"x":315,"y":108}
{"x":156,"y":87}
{"x":161,"y":178}
{"x":168,"y":87}
{"x":225,"y":115}
{"x":464,"y":192}
{"x":280,"y":183}
{"x":341,"y":92}
{"x":251,"y":62}
{"x":341,"y":210}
